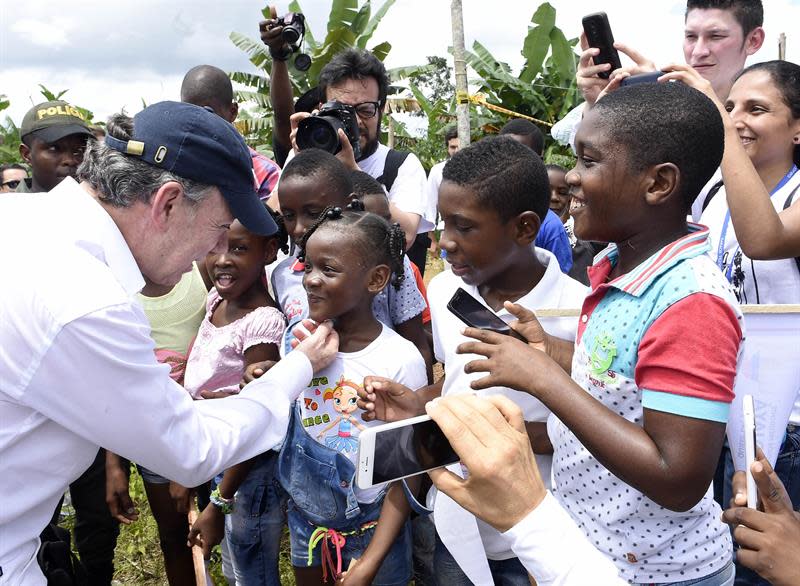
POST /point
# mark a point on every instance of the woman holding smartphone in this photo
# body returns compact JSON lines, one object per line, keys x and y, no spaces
{"x":755,"y":215}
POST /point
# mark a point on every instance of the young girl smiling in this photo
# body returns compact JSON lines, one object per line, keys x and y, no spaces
{"x":349,"y":258}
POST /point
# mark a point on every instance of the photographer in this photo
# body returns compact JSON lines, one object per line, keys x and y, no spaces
{"x":356,"y":78}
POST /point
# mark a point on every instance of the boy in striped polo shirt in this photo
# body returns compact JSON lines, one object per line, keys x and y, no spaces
{"x":638,"y":426}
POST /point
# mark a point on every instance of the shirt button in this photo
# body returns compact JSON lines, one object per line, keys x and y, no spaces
{"x":584,"y":318}
{"x":631,"y":558}
{"x":344,"y":484}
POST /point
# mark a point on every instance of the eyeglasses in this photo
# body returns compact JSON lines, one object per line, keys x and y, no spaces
{"x":366,"y":109}
{"x":12,"y":184}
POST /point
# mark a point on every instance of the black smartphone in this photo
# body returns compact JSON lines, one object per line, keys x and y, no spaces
{"x":649,"y":77}
{"x":473,"y":313}
{"x":598,"y":33}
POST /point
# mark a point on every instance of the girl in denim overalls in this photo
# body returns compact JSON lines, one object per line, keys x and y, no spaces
{"x":349,"y":258}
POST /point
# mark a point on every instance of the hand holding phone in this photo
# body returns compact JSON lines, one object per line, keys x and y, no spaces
{"x":749,"y":414}
{"x":649,"y":77}
{"x":598,"y":34}
{"x":401,"y":449}
{"x":476,"y":315}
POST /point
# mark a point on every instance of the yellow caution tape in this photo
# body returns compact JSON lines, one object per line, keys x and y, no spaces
{"x":480,"y":100}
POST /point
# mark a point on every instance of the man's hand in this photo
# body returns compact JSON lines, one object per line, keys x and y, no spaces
{"x":254,"y":371}
{"x":320,"y":346}
{"x":489,"y":436}
{"x":769,"y":540}
{"x":208,"y":530}
{"x":386,"y":400}
{"x":181,"y":497}
{"x":118,"y":498}
{"x":271,"y":35}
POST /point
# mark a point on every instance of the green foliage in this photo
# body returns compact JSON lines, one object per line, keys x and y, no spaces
{"x":545,"y":87}
{"x":435,"y":80}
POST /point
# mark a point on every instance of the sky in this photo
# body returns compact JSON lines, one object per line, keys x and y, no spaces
{"x":114,"y":55}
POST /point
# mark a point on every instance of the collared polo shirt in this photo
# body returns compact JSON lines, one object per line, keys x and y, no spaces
{"x":667,"y":337}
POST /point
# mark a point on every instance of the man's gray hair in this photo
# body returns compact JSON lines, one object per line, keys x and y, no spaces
{"x":121,"y":179}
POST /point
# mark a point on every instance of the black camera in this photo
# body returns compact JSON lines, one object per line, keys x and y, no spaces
{"x":320,"y":131}
{"x":294,"y":29}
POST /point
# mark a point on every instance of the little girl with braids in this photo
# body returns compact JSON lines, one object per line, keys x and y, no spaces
{"x":349,"y":257}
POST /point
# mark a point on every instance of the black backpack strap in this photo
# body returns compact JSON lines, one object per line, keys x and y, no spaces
{"x":710,"y":195}
{"x":394,"y":159}
{"x":786,"y":205}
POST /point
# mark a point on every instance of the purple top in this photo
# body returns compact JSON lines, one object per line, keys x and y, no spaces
{"x":216,"y":361}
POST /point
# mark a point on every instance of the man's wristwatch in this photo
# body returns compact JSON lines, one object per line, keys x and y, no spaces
{"x":223,"y":504}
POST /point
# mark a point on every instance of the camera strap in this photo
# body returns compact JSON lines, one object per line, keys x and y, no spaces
{"x":394,"y":160}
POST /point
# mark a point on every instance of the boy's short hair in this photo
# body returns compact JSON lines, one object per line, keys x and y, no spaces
{"x":365,"y":184}
{"x":666,"y":123}
{"x":354,"y":64}
{"x":748,"y":13}
{"x":522,"y":127}
{"x":450,"y":134}
{"x":506,"y":176}
{"x":323,"y":165}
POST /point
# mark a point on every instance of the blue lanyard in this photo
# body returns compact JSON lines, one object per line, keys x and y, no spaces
{"x":726,"y":222}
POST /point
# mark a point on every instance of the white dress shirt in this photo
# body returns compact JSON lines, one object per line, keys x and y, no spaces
{"x":555,"y":552}
{"x":78,"y":371}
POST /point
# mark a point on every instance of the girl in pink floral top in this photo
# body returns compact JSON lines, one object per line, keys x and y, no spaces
{"x":242,"y":325}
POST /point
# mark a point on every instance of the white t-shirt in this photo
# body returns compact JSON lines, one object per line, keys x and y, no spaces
{"x":432,"y":191}
{"x":328,"y":406}
{"x":408,"y":191}
{"x":555,"y":290}
{"x":755,"y":282}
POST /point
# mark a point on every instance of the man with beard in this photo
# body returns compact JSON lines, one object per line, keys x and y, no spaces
{"x":357,"y":78}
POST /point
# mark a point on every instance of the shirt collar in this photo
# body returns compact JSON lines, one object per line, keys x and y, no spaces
{"x":636,"y":282}
{"x":100,"y":236}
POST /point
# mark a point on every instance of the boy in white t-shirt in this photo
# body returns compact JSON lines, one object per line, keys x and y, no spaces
{"x":493,"y":197}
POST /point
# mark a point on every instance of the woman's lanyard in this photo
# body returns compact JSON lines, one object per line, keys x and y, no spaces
{"x":723,"y":234}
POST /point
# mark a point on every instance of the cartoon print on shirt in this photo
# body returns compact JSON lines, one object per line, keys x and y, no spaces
{"x":603,"y":354}
{"x":345,"y":396}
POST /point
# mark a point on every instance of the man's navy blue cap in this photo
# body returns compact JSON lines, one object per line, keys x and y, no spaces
{"x":194,"y":143}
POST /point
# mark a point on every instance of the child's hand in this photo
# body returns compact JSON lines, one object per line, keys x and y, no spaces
{"x":208,"y":530}
{"x":509,"y":362}
{"x":254,"y":371}
{"x":386,"y":400}
{"x":527,"y":326}
{"x":769,"y":541}
{"x":118,"y":498}
{"x":357,"y":574}
{"x":181,"y":496}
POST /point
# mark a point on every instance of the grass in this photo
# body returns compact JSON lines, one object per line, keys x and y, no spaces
{"x":138,"y":559}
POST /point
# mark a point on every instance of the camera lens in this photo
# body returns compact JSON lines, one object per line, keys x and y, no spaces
{"x":302,"y":62}
{"x":290,"y":34}
{"x":319,"y":132}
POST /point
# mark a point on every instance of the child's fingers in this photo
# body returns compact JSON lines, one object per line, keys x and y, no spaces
{"x":523,"y":314}
{"x":771,"y":492}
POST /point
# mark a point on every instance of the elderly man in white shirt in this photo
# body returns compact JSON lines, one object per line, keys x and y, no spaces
{"x":77,"y":367}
